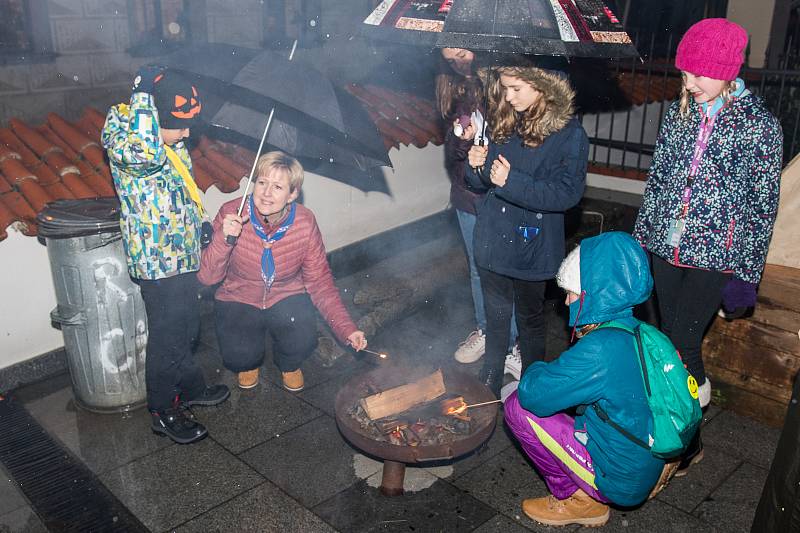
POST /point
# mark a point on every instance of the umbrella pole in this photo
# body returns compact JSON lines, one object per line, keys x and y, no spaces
{"x":230,"y":239}
{"x":482,"y":138}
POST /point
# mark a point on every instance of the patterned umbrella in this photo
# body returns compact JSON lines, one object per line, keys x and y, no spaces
{"x":574,"y":28}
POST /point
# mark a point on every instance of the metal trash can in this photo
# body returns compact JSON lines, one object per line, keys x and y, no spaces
{"x":100,"y":310}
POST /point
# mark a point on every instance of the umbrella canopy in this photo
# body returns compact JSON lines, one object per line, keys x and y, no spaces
{"x":314,"y":120}
{"x":579,"y":28}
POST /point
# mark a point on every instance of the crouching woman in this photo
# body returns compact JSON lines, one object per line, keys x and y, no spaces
{"x":272,"y":278}
{"x":585,"y":462}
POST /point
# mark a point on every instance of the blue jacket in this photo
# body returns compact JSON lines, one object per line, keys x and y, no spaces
{"x":544,"y":182}
{"x":602,"y":367}
{"x":734,"y":198}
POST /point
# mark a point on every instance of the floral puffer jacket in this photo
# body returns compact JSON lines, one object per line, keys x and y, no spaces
{"x":734,"y":198}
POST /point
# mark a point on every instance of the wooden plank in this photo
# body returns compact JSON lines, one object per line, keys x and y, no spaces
{"x":753,"y":385}
{"x":404,"y":397}
{"x":776,"y":316}
{"x":781,"y":284}
{"x":758,"y":334}
{"x":745,"y":359}
{"x":747,"y":403}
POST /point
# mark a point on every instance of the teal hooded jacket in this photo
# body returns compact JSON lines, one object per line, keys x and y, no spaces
{"x":602,"y":367}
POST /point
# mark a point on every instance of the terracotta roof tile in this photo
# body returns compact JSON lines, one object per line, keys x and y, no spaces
{"x":402,"y":118}
{"x":61,"y":159}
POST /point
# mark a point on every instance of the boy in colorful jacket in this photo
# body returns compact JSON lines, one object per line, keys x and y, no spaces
{"x":160,"y":219}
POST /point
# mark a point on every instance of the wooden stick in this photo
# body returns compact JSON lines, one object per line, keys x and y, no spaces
{"x":482,"y":403}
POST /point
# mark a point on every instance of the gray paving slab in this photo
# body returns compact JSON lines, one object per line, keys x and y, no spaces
{"x":654,"y":516}
{"x":440,"y":507}
{"x":310,"y":463}
{"x":21,"y":520}
{"x":11,"y":497}
{"x":173,"y":485}
{"x":503,"y":482}
{"x":742,"y":437}
{"x":687,"y":492}
{"x":263,"y":508}
{"x":250,"y":417}
{"x":732,"y":506}
{"x":102,"y":441}
{"x":502,"y":524}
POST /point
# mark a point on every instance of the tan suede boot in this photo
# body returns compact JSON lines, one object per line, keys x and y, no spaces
{"x":666,"y":474}
{"x":249,"y":379}
{"x":293,"y":381}
{"x":580,"y":508}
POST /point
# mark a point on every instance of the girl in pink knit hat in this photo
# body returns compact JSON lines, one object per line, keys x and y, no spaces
{"x":711,"y":196}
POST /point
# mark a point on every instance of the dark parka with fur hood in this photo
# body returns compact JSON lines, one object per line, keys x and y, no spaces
{"x":544,"y":181}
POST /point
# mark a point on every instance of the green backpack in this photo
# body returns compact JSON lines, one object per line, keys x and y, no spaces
{"x":671,"y":392}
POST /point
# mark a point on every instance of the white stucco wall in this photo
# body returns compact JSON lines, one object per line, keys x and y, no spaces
{"x":756,"y":18}
{"x":419,"y":187}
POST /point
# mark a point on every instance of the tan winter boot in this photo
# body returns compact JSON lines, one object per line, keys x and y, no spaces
{"x":666,"y":474}
{"x":580,"y":508}
{"x":293,"y":381}
{"x":249,"y":379}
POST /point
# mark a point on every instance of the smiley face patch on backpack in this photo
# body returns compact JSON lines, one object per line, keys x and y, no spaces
{"x":692,"y":385}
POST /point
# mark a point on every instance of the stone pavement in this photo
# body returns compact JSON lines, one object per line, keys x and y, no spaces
{"x":275,"y":461}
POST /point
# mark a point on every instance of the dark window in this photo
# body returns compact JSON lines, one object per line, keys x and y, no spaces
{"x":24,"y":30}
{"x":287,"y":20}
{"x":158,"y":26}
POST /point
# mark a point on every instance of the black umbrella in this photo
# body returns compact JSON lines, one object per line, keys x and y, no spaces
{"x":323,"y":126}
{"x":580,"y":28}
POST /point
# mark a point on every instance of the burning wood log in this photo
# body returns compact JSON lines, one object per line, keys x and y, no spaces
{"x":453,"y":406}
{"x":402,"y":398}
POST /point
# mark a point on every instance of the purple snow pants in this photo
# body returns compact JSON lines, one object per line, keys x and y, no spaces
{"x":550,"y":443}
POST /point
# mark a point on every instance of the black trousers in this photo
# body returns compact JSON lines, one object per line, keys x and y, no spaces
{"x":242,"y":329}
{"x":688,"y":299}
{"x":503,"y":295}
{"x":173,"y":321}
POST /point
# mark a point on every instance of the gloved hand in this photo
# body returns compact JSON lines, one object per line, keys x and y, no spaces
{"x":145,"y":78}
{"x":738,"y":297}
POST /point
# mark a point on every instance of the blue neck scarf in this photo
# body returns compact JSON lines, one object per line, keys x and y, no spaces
{"x":267,"y":260}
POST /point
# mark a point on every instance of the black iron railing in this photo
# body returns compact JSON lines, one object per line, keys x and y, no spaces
{"x":624,"y":139}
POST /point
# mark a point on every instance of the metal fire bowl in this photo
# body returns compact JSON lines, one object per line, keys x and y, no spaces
{"x":456,"y":382}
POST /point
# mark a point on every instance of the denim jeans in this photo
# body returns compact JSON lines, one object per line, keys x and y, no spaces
{"x":466,"y":221}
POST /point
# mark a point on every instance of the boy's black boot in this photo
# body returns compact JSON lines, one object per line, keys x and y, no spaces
{"x":178,"y":425}
{"x":211,"y":395}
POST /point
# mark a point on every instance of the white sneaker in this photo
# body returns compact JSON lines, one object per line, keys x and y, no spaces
{"x":704,"y":393}
{"x":514,"y":362}
{"x":508,"y":389}
{"x":472,"y":348}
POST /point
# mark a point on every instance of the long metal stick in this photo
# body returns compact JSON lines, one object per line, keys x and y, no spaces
{"x":255,"y":161}
{"x":230,"y":239}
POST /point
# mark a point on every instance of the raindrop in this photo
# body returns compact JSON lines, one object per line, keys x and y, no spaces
{"x":624,"y":523}
{"x":174,"y":28}
{"x":503,"y":209}
{"x":292,"y":319}
{"x":330,"y":160}
{"x":312,"y":23}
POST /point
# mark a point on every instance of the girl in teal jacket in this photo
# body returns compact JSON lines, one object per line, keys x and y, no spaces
{"x":585,"y":462}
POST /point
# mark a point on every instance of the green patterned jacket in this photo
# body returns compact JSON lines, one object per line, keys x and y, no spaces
{"x":160,"y":223}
